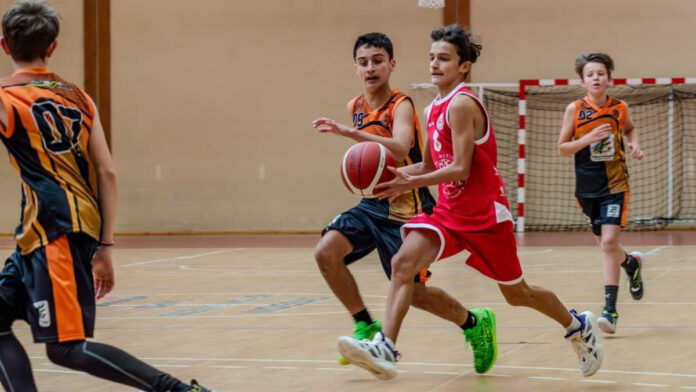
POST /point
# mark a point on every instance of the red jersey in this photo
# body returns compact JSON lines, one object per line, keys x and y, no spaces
{"x":480,"y":202}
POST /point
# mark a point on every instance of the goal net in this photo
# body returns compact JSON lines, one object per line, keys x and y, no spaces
{"x":541,"y":185}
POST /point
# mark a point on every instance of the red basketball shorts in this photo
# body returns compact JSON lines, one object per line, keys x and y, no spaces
{"x":493,"y":251}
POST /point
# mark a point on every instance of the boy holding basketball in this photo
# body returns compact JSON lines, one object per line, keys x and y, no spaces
{"x":594,"y":129}
{"x":386,"y":116}
{"x":56,"y":144}
{"x":472,"y":214}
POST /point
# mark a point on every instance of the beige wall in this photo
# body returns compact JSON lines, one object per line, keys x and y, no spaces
{"x":68,"y":61}
{"x":538,"y":39}
{"x":212,"y":104}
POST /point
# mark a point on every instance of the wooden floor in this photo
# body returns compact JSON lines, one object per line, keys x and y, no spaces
{"x":253,"y":314}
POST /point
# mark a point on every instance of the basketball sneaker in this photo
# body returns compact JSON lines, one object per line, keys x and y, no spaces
{"x":635,"y":279}
{"x":194,"y":387}
{"x":607,"y":321}
{"x":377,"y":356}
{"x":482,"y":339}
{"x":586,"y":344}
{"x":362,"y":331}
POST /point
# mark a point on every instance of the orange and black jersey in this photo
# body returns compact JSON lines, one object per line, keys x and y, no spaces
{"x":380,"y":122}
{"x":600,"y":168}
{"x":49,"y":121}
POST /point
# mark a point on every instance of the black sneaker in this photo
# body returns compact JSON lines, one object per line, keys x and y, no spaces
{"x":635,"y":280}
{"x":607,"y":321}
{"x":195,"y":387}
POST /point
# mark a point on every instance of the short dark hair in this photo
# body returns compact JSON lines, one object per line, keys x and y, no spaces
{"x":595,"y":57}
{"x":455,"y":34}
{"x":29,"y":27}
{"x":377,"y":40}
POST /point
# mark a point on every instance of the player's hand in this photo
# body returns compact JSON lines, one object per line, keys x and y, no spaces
{"x":391,"y":190}
{"x":600,"y":132}
{"x":634,"y":150}
{"x":102,"y":271}
{"x":327,"y":125}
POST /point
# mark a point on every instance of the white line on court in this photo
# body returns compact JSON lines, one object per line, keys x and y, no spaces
{"x":336,"y":369}
{"x":498,"y":375}
{"x":547,"y":378}
{"x":642,"y":384}
{"x":58,"y":371}
{"x":599,"y":381}
{"x":281,"y":367}
{"x":446,"y":373}
{"x":655,"y":251}
{"x":180,"y":257}
{"x":228,"y":366}
{"x":688,"y":387}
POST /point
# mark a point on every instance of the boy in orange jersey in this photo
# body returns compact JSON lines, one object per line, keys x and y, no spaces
{"x":386,"y":116}
{"x":56,"y":143}
{"x":594,"y":129}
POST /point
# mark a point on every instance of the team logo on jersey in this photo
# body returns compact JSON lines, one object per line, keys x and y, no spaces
{"x":450,"y":190}
{"x":44,"y":313}
{"x":440,"y":124}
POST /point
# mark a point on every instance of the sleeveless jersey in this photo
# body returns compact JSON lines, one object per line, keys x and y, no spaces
{"x":380,"y":122}
{"x":600,"y":168}
{"x":480,"y":202}
{"x":49,"y":121}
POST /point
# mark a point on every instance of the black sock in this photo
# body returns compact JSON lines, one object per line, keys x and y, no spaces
{"x":630,"y":264}
{"x":16,"y":374}
{"x":112,"y":364}
{"x":610,"y":294}
{"x":470,"y":321}
{"x":363,"y":315}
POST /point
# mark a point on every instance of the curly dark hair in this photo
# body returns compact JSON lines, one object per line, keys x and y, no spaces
{"x":595,"y":57}
{"x":455,"y":34}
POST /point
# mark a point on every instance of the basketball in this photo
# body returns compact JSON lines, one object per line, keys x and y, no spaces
{"x":365,"y":165}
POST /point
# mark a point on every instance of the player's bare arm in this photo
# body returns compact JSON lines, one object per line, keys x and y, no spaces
{"x":567,"y":146}
{"x":631,"y":136}
{"x":464,"y":115}
{"x":102,"y":268}
{"x":398,"y":144}
{"x":3,"y":118}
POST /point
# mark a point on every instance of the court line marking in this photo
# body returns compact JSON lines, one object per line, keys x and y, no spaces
{"x":545,"y":378}
{"x":655,"y":251}
{"x":228,"y":366}
{"x":600,"y":381}
{"x":413,"y":364}
{"x":216,"y":252}
{"x":548,"y":378}
{"x":642,"y":384}
{"x":337,"y":369}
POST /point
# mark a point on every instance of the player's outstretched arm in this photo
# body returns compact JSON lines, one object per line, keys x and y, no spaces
{"x":102,"y":268}
{"x":462,"y":111}
{"x":402,"y":133}
{"x":567,"y":146}
{"x":631,"y":136}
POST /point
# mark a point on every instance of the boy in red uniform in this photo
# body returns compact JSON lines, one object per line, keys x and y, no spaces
{"x":472,"y":213}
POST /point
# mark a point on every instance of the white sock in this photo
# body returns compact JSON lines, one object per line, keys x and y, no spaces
{"x":574,"y":324}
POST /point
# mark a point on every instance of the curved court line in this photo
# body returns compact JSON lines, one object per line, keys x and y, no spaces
{"x":179,"y":257}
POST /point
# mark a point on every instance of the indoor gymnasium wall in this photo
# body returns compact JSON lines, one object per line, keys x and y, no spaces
{"x":540,"y":39}
{"x":68,"y":61}
{"x":213,"y":103}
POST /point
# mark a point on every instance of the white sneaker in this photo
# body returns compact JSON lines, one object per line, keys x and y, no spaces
{"x":377,"y":356}
{"x":586,"y":343}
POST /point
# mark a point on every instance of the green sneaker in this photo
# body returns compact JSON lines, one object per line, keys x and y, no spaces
{"x":607,"y":321}
{"x":362,"y":331}
{"x":483,"y":340}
